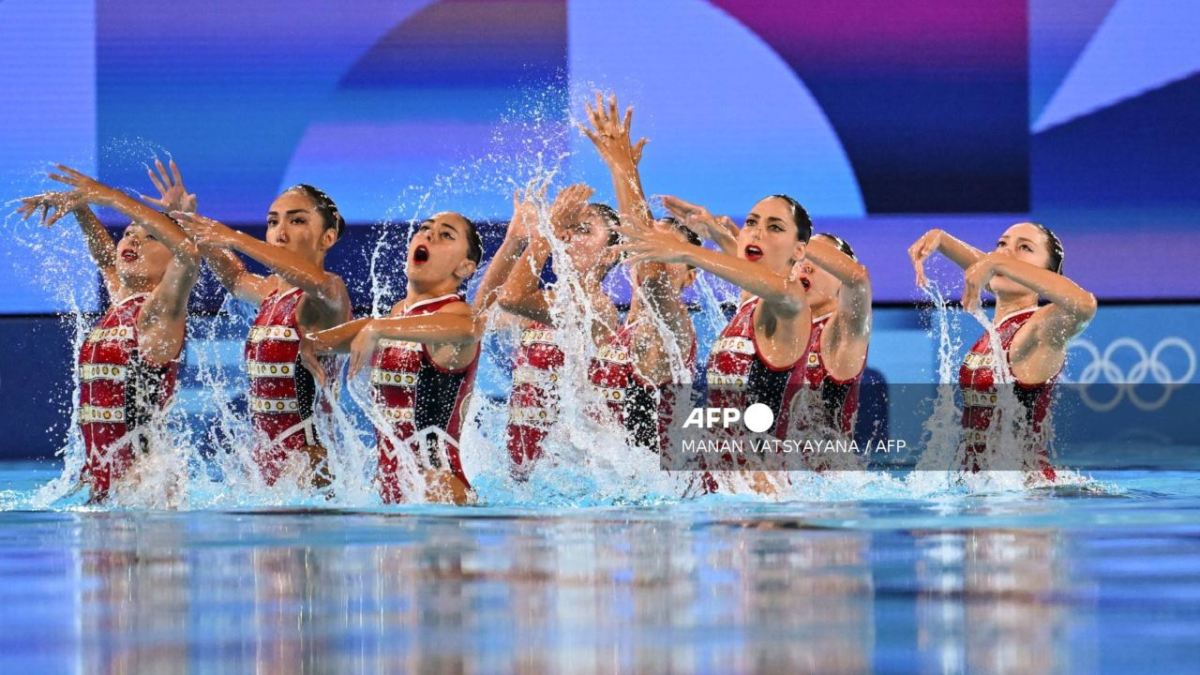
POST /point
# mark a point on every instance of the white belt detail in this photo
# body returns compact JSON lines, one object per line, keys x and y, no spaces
{"x":979,"y":399}
{"x":391,"y":378}
{"x":737,"y":345}
{"x":106,"y":334}
{"x":259,"y":369}
{"x":273,"y":405}
{"x":613,"y":394}
{"x":264,"y":333}
{"x":532,"y":416}
{"x":531,"y":375}
{"x":91,"y":413}
{"x":102,"y":371}
{"x":544,"y":337}
{"x":719,"y":381}
{"x":398,"y":414}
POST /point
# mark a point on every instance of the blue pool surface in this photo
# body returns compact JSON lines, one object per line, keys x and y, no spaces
{"x":1021,"y":583}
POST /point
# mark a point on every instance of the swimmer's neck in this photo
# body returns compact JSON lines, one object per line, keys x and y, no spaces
{"x":1013,"y":304}
{"x":825,"y":307}
{"x":417,"y":292}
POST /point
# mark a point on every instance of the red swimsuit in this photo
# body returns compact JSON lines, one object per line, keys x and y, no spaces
{"x":838,"y":399}
{"x":282,"y":391}
{"x":420,"y":401}
{"x":533,"y":403}
{"x":118,"y":393}
{"x":977,"y":381}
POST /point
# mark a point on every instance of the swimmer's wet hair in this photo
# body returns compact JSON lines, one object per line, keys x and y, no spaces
{"x":610,"y":216}
{"x":799,"y":216}
{"x":842,"y":244}
{"x":324,"y":206}
{"x":1056,"y":248}
{"x":692,"y":238}
{"x":474,"y":241}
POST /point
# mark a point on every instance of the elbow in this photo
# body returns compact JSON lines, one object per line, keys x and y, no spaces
{"x":1087,"y":308}
{"x":507,"y":300}
{"x":859,"y":278}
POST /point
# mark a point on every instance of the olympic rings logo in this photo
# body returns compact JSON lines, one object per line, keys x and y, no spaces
{"x":1126,"y":383}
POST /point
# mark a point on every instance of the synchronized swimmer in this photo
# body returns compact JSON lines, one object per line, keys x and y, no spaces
{"x":797,"y":342}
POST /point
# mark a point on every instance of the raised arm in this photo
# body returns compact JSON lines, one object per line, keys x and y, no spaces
{"x":1071,"y":307}
{"x":854,"y":301}
{"x":158,"y":224}
{"x":521,"y":294}
{"x":99,"y":242}
{"x":960,"y":253}
{"x":782,"y":296}
{"x":499,"y":269}
{"x":611,"y":136}
{"x":325,"y":288}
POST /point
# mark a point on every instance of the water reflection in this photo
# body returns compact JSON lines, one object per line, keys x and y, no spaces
{"x":606,"y":591}
{"x":993,"y":601}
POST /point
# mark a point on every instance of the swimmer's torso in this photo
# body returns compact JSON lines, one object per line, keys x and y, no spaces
{"x":413,"y":394}
{"x":977,"y":379}
{"x":118,"y":393}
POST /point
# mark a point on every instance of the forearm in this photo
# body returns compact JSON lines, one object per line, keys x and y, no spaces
{"x":438,"y":328}
{"x":774,"y":289}
{"x":294,"y":269}
{"x":631,"y":199}
{"x":498,"y":271}
{"x":959,"y":252}
{"x":831,"y":259}
{"x":158,"y":224}
{"x":1053,"y":286}
{"x":520,"y":293}
{"x":99,"y":241}
{"x":338,"y":338}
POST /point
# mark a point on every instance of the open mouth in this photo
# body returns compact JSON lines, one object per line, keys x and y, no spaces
{"x":805,"y":283}
{"x":421,"y":254}
{"x":753,"y":253}
{"x":129,"y":255}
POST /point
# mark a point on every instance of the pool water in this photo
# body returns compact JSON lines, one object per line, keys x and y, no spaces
{"x":1025,"y":583}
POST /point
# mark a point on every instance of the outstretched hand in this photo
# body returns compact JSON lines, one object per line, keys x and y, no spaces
{"x":91,"y":189}
{"x":310,"y":360}
{"x":654,"y":244}
{"x":611,"y":134}
{"x":720,"y":230}
{"x":206,"y":232}
{"x":569,"y":208}
{"x":173,"y":196}
{"x":61,"y":203}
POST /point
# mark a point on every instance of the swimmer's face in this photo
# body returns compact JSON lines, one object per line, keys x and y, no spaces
{"x":769,"y":236}
{"x":822,"y":287}
{"x":586,"y":243}
{"x":294,"y":224}
{"x":437,"y":251}
{"x":141,"y":257}
{"x":1025,"y":242}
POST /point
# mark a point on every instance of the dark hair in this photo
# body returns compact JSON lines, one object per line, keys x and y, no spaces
{"x":614,"y":221}
{"x":842,"y":244}
{"x":799,"y":216}
{"x":324,"y":206}
{"x":692,"y":238}
{"x":1055,"y":246}
{"x":474,"y":242}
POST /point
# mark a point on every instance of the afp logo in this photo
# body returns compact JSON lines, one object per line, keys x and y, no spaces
{"x":758,"y":417}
